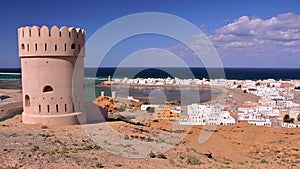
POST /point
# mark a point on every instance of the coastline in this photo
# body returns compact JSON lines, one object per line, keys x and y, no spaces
{"x":108,"y":84}
{"x":219,"y":94}
{"x":13,"y":105}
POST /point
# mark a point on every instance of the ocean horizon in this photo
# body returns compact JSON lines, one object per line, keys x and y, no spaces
{"x":183,"y":73}
{"x":95,"y":76}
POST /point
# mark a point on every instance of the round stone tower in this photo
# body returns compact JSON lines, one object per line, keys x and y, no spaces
{"x":52,"y":63}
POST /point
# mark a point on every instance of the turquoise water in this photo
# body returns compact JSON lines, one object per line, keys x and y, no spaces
{"x":142,"y":93}
{"x":185,"y":96}
{"x":10,"y":81}
{"x":91,"y":92}
{"x":14,"y":82}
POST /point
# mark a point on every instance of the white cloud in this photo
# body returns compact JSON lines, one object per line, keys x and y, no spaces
{"x":255,"y":42}
{"x":271,"y":38}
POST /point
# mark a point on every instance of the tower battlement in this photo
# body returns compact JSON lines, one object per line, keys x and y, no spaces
{"x":35,"y":41}
{"x":52,"y":62}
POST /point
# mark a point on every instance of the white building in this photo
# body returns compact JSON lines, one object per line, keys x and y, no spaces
{"x":290,"y":125}
{"x":220,"y":118}
{"x":267,"y":102}
{"x":198,"y":114}
{"x":267,"y":111}
{"x":262,"y":122}
{"x":250,"y":115}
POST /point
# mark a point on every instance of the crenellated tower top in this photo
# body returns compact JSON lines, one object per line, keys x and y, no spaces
{"x":36,"y":42}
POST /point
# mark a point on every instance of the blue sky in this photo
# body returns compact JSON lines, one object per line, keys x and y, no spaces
{"x":245,"y":33}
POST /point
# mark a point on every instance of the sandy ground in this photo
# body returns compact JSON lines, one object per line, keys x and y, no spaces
{"x":237,"y":146}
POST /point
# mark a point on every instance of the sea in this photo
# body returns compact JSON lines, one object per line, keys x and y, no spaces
{"x":97,"y":75}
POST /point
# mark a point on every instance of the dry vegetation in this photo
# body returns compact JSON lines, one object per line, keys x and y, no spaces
{"x":237,"y":146}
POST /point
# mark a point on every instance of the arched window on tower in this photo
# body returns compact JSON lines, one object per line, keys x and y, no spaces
{"x":27,"y":101}
{"x":73,"y":46}
{"x":22,"y":46}
{"x":47,"y":89}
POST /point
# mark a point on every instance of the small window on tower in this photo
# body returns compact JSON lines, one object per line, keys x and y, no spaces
{"x":22,"y":46}
{"x":73,"y":46}
{"x":27,"y":101}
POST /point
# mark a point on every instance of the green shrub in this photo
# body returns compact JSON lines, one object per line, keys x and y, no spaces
{"x":149,"y":139}
{"x":99,"y":165}
{"x":264,"y":161}
{"x":46,"y":135}
{"x":118,"y":165}
{"x":150,"y":109}
{"x":96,"y":147}
{"x":35,"y":148}
{"x":161,"y":155}
{"x":57,"y":142}
{"x":191,"y":160}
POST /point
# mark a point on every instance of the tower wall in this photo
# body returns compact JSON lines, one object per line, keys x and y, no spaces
{"x":52,"y":75}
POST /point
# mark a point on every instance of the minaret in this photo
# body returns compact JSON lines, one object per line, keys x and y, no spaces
{"x":52,"y":63}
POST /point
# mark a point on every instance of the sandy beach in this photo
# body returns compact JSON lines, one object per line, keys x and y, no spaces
{"x":10,"y":105}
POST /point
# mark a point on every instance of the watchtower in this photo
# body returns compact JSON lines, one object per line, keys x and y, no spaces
{"x":52,"y":63}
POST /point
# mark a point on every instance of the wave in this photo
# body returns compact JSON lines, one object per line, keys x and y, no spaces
{"x":94,"y":78}
{"x":10,"y":79}
{"x":11,"y":74}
